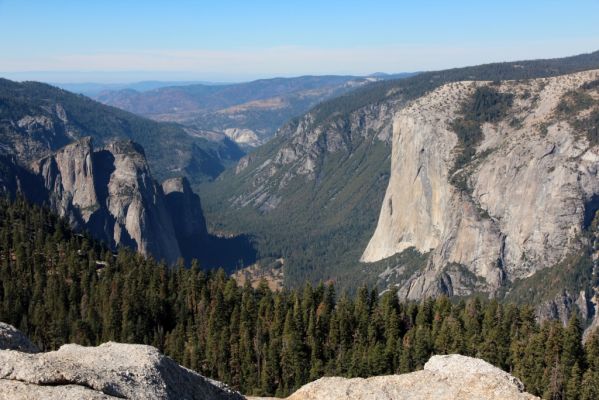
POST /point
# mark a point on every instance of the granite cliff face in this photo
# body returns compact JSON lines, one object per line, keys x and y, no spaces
{"x":109,"y":371}
{"x":137,"y":203}
{"x":185,"y":209}
{"x":527,"y":194}
{"x":69,"y":176}
{"x":112,"y":193}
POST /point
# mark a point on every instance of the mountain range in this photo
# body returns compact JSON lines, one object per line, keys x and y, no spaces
{"x":92,"y":89}
{"x":248,"y":113}
{"x":419,"y":196}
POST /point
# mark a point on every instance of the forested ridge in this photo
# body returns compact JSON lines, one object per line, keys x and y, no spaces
{"x":59,"y":287}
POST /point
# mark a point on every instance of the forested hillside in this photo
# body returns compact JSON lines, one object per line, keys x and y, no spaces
{"x":61,"y":287}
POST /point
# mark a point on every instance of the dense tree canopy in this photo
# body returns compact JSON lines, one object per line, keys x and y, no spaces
{"x":61,"y":287}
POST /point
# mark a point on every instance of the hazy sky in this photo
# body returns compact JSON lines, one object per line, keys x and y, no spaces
{"x":220,"y":40}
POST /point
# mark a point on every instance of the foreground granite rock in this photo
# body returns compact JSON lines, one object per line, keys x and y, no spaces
{"x":451,"y":377}
{"x":15,"y":390}
{"x":109,"y":371}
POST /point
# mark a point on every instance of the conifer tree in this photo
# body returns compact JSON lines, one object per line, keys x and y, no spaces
{"x":572,"y":389}
{"x":589,"y":388}
{"x":292,"y":356}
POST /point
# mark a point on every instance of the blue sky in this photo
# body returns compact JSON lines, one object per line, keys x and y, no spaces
{"x":117,"y":41}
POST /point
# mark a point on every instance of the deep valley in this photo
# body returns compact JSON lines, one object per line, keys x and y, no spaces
{"x":207,"y":200}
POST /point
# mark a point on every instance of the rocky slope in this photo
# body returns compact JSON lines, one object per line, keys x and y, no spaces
{"x":526,"y":196}
{"x":109,"y":371}
{"x":450,"y":377}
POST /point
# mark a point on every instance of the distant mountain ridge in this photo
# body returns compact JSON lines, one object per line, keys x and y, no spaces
{"x":258,"y":107}
{"x":92,"y":89}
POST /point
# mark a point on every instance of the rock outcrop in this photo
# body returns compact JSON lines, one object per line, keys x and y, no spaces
{"x":443,"y":377}
{"x":111,"y":193}
{"x":32,"y":136}
{"x":68,"y":175}
{"x":243,"y":136}
{"x":530,"y":188}
{"x":451,"y":377}
{"x":137,"y":203}
{"x":109,"y":371}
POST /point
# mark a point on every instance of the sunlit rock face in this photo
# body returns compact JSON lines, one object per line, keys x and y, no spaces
{"x":527,"y":189}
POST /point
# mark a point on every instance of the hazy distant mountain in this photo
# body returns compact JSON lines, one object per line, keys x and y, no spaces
{"x":249,"y":113}
{"x":92,"y":89}
{"x":388,"y":76}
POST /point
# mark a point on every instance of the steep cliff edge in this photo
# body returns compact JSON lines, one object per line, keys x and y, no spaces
{"x":138,"y":205}
{"x":501,"y":204}
{"x":111,"y":192}
{"x":68,"y":175}
{"x":185,"y":209}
